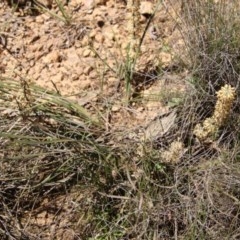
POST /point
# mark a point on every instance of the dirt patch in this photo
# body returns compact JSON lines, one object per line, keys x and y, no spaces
{"x":88,"y":53}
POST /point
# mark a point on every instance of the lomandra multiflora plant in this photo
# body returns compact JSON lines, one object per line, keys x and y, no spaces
{"x":209,"y":128}
{"x":174,"y":153}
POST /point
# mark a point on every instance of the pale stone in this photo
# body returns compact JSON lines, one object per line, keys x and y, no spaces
{"x":39,"y":19}
{"x":86,"y":52}
{"x":109,"y":44}
{"x":146,"y":8}
{"x":142,"y":19}
{"x":75,"y":3}
{"x":97,"y":45}
{"x":85,"y":41}
{"x":58,"y":77}
{"x":75,"y":77}
{"x":110,"y":3}
{"x":52,"y":57}
{"x":113,"y":82}
{"x":97,"y":12}
{"x":87,"y":70}
{"x":99,"y":38}
{"x":93,"y":75}
{"x":85,"y":84}
{"x":93,"y":33}
{"x":109,"y":34}
{"x":89,"y":4}
{"x":115,"y":108}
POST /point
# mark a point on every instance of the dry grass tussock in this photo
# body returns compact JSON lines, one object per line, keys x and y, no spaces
{"x":212,"y":36}
{"x":63,"y":178}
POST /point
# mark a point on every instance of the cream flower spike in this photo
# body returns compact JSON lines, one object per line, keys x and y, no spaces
{"x":209,"y":128}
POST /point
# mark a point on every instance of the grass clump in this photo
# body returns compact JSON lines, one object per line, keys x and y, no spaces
{"x":212,"y":36}
{"x":47,"y":143}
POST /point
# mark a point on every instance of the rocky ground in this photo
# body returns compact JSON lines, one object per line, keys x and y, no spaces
{"x":81,"y":55}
